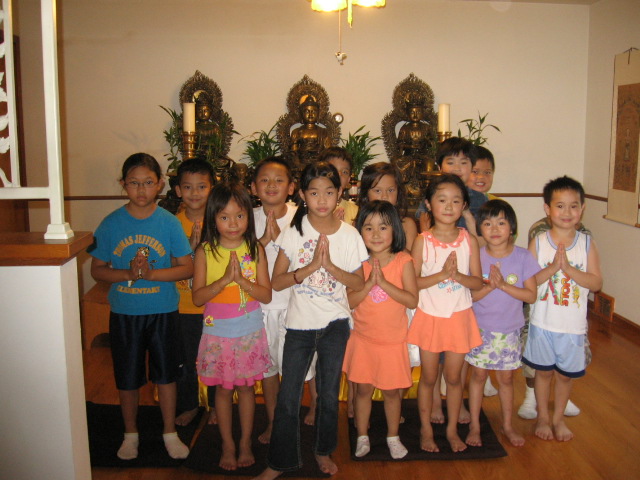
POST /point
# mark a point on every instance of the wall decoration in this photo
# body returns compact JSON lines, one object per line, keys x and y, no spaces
{"x":624,"y":185}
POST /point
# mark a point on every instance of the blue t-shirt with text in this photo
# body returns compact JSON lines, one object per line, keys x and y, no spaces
{"x":117,"y":240}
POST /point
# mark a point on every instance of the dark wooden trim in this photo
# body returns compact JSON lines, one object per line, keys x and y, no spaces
{"x":68,"y":198}
{"x":596,"y":197}
{"x":621,"y":325}
{"x":30,"y":248}
{"x":518,"y":195}
{"x":72,"y":198}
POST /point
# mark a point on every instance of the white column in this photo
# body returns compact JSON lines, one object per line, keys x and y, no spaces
{"x":43,"y":418}
{"x":58,"y":228}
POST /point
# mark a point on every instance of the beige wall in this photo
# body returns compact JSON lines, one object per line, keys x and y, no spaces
{"x":526,"y":64}
{"x":613,"y":28}
{"x":543,"y":71}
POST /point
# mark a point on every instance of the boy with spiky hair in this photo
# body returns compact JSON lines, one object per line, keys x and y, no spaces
{"x":558,"y":325}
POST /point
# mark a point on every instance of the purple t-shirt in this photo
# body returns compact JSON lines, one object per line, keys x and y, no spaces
{"x":499,"y":311}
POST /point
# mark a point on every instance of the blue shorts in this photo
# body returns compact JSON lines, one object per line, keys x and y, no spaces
{"x":563,"y":352}
{"x":132,"y":336}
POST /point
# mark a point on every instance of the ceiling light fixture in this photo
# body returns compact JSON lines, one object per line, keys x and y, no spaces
{"x":339,"y":5}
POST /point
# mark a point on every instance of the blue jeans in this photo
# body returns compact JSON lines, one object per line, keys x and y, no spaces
{"x":299,"y":347}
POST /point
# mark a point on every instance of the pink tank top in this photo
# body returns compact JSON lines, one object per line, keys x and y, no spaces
{"x":444,"y":298}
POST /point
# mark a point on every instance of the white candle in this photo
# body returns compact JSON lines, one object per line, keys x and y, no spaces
{"x":188,"y":117}
{"x":443,"y":117}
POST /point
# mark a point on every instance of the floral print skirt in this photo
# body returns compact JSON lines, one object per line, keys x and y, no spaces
{"x":499,"y":351}
{"x":233,"y":361}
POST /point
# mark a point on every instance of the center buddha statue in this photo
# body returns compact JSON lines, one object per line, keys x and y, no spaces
{"x":310,"y":138}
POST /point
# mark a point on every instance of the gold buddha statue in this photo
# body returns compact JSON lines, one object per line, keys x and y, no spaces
{"x":413,"y":137}
{"x":415,"y":145}
{"x":310,"y":138}
{"x":205,"y":126}
{"x":410,"y":137}
{"x":210,"y":140}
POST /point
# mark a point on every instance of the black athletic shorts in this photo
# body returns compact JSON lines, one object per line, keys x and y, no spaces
{"x":132,"y":336}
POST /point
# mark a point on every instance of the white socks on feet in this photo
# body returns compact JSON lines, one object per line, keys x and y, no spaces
{"x":174,"y":445}
{"x":443,"y":386}
{"x":528,"y":408}
{"x":571,"y":410}
{"x":129,"y":448}
{"x":362,"y":446}
{"x":489,"y":389}
{"x":396,"y":448}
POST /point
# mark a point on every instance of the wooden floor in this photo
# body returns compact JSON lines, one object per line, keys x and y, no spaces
{"x":606,"y":443}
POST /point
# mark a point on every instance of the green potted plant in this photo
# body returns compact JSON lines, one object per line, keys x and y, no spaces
{"x":475,"y":129}
{"x":359,"y":146}
{"x":261,"y":145}
{"x":173,"y":136}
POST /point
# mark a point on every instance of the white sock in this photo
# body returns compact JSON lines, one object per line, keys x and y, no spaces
{"x":362,"y":446}
{"x":489,"y":389}
{"x":528,"y":408}
{"x":396,"y":448}
{"x":571,"y":410}
{"x":129,"y":448}
{"x":443,"y":386}
{"x":174,"y":445}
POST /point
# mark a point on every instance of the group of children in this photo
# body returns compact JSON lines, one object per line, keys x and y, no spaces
{"x":325,"y":286}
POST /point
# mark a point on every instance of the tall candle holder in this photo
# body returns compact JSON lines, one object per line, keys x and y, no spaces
{"x":188,"y":145}
{"x":442,"y":136}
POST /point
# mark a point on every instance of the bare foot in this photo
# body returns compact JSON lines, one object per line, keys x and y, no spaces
{"x":268,"y":474}
{"x":265,"y":437}
{"x":228,"y":458}
{"x":326,"y":464}
{"x":245,"y":458}
{"x":437,"y":416}
{"x":563,"y":434}
{"x":213,"y":418}
{"x":310,"y":417}
{"x":185,"y":418}
{"x":457,"y":445}
{"x":514,"y":437}
{"x":543,"y":430}
{"x":473,"y":438}
{"x":427,"y":443}
{"x":465,"y":416}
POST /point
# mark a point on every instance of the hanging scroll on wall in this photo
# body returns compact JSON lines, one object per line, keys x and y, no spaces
{"x":624,"y":178}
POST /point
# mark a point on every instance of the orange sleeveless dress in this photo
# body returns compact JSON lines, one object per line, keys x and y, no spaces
{"x":377,"y":348}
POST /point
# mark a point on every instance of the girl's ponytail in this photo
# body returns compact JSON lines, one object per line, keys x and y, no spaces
{"x":301,"y":211}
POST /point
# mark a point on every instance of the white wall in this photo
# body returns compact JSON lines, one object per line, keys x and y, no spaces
{"x":613,"y":28}
{"x":525,"y":64}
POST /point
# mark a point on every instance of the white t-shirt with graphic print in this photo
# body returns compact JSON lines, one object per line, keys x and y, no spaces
{"x":320,"y":298}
